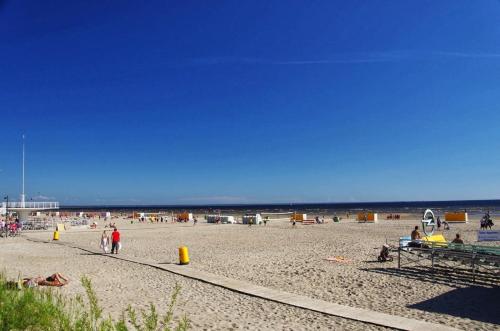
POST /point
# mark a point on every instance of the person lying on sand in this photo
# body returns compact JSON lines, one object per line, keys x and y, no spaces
{"x":53,"y":280}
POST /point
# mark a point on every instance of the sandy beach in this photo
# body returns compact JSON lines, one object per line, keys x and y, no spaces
{"x":275,"y":256}
{"x":285,"y":164}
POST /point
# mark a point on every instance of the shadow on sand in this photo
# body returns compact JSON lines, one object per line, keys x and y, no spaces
{"x":479,"y":300}
{"x":476,"y":303}
{"x":455,"y":277}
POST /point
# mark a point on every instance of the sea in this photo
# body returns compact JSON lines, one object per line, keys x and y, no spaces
{"x":472,"y":207}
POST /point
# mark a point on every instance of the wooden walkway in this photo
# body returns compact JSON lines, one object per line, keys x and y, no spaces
{"x":329,"y":308}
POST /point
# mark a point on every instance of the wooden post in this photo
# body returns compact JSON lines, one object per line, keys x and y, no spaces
{"x":399,"y":257}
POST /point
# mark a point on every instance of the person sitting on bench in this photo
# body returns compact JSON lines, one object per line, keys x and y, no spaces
{"x":458,"y":240}
{"x":415,"y":238}
{"x":415,"y":235}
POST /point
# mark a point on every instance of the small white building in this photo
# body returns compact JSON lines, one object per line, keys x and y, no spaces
{"x":224,"y":219}
{"x":256,"y":219}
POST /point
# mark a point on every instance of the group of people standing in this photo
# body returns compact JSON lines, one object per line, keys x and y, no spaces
{"x":11,"y":226}
{"x":114,"y":238}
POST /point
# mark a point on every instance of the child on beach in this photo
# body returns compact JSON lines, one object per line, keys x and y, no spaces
{"x":446,"y":226}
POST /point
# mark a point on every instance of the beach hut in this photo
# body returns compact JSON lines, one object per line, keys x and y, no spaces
{"x":298,"y":217}
{"x":184,"y":217}
{"x":456,"y":217}
{"x":367,"y":217}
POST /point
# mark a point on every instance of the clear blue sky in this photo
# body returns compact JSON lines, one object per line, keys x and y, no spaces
{"x":179,"y":102}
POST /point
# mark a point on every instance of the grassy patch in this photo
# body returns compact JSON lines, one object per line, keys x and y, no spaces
{"x":45,"y":309}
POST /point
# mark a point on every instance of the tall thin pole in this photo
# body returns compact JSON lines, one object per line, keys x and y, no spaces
{"x":22,"y":195}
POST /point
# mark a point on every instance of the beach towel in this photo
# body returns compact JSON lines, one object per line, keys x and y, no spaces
{"x":339,"y":259}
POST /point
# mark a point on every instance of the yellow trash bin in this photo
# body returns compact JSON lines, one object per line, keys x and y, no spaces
{"x":183,"y":255}
{"x":56,"y":235}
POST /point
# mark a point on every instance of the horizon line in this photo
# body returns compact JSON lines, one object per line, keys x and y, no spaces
{"x":270,"y":204}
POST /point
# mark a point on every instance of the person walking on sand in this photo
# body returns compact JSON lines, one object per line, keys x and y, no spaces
{"x":104,"y":242}
{"x":115,"y":241}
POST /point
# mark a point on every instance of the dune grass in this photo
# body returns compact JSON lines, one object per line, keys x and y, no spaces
{"x":45,"y":309}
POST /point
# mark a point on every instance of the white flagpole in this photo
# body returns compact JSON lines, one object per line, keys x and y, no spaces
{"x":22,"y":195}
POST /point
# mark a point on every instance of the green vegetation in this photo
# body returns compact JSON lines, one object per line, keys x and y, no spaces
{"x":45,"y":309}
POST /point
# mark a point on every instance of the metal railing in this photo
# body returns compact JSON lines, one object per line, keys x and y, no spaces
{"x":31,"y":204}
{"x":451,"y":255}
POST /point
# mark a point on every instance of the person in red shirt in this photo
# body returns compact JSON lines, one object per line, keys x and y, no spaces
{"x":115,"y":241}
